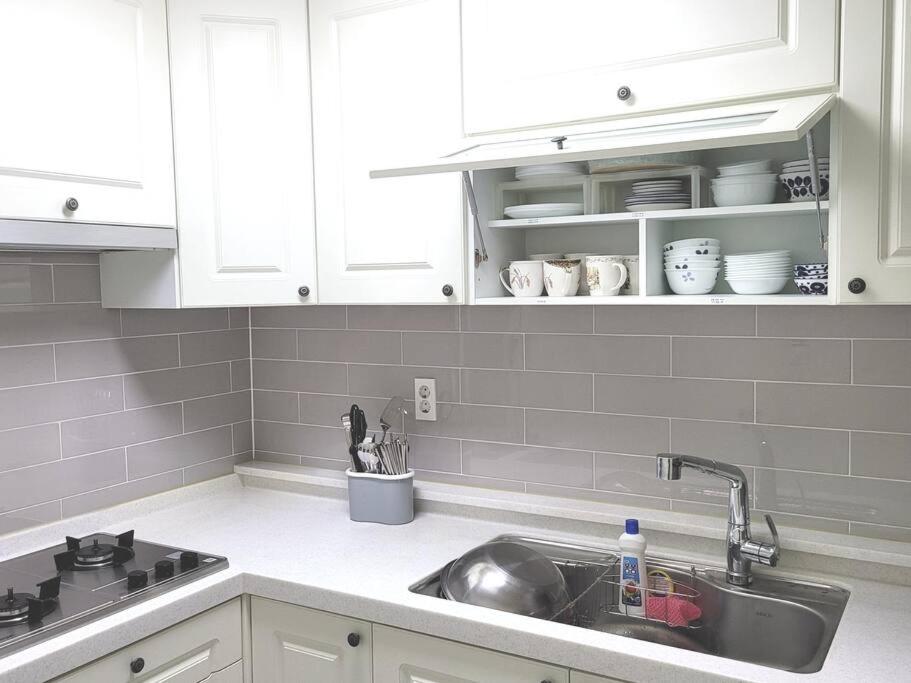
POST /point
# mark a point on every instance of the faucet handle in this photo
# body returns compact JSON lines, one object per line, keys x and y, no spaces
{"x":763,"y":553}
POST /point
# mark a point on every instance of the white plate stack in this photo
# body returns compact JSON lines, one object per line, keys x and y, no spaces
{"x":758,"y":272}
{"x":658,"y":195}
{"x":558,"y":170}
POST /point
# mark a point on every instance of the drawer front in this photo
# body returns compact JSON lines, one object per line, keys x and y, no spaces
{"x":186,"y":653}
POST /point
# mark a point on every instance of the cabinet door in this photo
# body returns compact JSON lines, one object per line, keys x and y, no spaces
{"x":386,"y":86}
{"x":189,"y":652}
{"x":533,"y":62}
{"x":873,"y":203}
{"x":579,"y":677}
{"x":86,"y":111}
{"x":293,"y":644}
{"x":230,"y":674}
{"x":405,"y":657}
{"x":242,"y":151}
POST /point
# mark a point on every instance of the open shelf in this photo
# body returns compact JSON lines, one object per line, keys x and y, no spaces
{"x":758,"y":210}
{"x":662,"y":299}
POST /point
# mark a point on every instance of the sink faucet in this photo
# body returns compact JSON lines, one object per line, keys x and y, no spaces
{"x":742,"y":550}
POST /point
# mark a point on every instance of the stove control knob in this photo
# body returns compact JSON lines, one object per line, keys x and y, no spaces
{"x":189,"y":560}
{"x":137,"y":579}
{"x":164,"y":569}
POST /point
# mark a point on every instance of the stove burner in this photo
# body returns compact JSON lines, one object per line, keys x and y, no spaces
{"x":14,"y":608}
{"x":96,"y":555}
{"x":18,"y":607}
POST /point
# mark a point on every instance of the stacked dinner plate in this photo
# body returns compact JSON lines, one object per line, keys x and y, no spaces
{"x":758,"y":272}
{"x":558,"y":170}
{"x":658,"y":195}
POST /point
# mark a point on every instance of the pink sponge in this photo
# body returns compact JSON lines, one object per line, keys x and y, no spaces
{"x":672,"y":610}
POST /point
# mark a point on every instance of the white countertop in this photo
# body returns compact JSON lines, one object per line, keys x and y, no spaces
{"x":303,"y":549}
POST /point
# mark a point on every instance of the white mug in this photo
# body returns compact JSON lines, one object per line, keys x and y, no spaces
{"x":526,"y":278}
{"x":606,"y":275}
{"x":561,"y":276}
{"x":583,"y":278}
{"x":631,"y":286}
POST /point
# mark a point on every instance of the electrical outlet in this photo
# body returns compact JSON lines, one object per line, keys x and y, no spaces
{"x":425,"y":399}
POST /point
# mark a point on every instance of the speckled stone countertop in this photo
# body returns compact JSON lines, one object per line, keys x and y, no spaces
{"x":302,"y":548}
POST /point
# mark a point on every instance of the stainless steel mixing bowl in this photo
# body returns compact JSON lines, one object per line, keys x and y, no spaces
{"x":507,"y":576}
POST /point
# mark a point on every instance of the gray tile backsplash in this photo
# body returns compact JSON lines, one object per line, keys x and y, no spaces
{"x":574,"y":401}
{"x":101,"y":406}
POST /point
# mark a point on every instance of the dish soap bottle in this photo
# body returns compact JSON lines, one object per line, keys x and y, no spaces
{"x":633,"y":573}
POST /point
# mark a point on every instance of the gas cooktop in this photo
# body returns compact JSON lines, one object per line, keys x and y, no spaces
{"x":56,"y":589}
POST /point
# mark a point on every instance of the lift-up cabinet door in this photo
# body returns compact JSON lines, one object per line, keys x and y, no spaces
{"x":85,"y":112}
{"x":530,"y":64}
{"x":386,"y":82}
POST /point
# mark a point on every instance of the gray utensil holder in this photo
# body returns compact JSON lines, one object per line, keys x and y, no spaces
{"x":380,"y":498}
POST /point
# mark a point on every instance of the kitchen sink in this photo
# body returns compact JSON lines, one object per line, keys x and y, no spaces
{"x":782,"y":623}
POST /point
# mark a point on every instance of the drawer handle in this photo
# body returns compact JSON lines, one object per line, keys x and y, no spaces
{"x":71,"y":204}
{"x":137,"y":665}
{"x":448,"y":290}
{"x":303,"y":291}
{"x":624,"y":93}
{"x":354,"y":639}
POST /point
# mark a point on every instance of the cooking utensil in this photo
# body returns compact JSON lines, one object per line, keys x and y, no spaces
{"x":352,"y":449}
{"x":392,"y":412}
{"x":507,"y":576}
{"x":355,"y":416}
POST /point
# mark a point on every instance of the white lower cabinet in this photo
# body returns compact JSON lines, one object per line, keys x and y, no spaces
{"x":405,"y":657}
{"x":293,"y":644}
{"x":206,"y":647}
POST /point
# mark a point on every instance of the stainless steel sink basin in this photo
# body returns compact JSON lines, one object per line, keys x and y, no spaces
{"x":776,"y":622}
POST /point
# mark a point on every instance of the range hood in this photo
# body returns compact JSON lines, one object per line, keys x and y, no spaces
{"x":764,"y":122}
{"x":70,"y":235}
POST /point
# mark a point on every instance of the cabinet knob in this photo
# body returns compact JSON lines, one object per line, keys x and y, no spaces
{"x":137,"y":665}
{"x":624,"y":93}
{"x":303,"y":291}
{"x":71,"y":204}
{"x":448,"y":290}
{"x":354,"y":639}
{"x":856,"y":285}
{"x":560,"y":139}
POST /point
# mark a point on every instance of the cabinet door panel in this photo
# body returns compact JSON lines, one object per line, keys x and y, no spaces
{"x":243,"y":153}
{"x":532,"y":63}
{"x":386,"y":85}
{"x":86,"y":111}
{"x":405,"y":657}
{"x":186,"y":653}
{"x":872,"y":207}
{"x":292,"y":644}
{"x":579,"y":677}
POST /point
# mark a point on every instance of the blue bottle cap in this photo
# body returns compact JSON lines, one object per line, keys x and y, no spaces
{"x":632,"y":526}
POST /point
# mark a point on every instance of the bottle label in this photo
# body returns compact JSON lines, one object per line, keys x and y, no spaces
{"x":631,"y":594}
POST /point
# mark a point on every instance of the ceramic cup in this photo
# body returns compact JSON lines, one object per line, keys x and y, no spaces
{"x":606,"y":275}
{"x":526,"y":278}
{"x":544,"y":257}
{"x":561,"y":276}
{"x":583,"y":279}
{"x":631,"y":286}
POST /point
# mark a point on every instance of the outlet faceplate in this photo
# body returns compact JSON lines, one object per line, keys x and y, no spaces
{"x":425,"y":399}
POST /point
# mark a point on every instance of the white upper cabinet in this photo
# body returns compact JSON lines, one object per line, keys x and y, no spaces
{"x":242,"y":139}
{"x":386,"y":84}
{"x":86,"y":113}
{"x":874,"y":200}
{"x":534,"y":63}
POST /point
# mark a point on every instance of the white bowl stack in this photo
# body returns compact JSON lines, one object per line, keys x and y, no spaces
{"x":758,"y":272}
{"x":743,"y":183}
{"x":658,"y":195}
{"x":692,"y":266}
